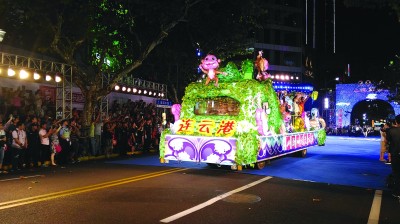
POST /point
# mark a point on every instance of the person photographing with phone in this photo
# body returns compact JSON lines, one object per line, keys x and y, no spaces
{"x":65,"y":142}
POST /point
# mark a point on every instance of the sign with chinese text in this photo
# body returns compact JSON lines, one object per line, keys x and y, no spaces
{"x":207,"y":127}
{"x":275,"y":145}
{"x":186,"y":126}
{"x":226,"y":128}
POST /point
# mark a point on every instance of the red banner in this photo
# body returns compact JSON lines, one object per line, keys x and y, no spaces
{"x":48,"y":93}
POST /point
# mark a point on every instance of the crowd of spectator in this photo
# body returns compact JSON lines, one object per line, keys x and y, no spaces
{"x":353,"y":130}
{"x":25,"y":102}
{"x":31,"y":137}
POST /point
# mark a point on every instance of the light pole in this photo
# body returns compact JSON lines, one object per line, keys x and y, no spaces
{"x":2,"y":34}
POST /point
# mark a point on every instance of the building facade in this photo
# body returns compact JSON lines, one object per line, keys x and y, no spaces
{"x":281,"y":38}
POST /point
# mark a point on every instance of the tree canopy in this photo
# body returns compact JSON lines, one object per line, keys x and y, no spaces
{"x":118,"y":37}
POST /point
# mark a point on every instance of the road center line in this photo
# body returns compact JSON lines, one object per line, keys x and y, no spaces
{"x":375,"y":208}
{"x":45,"y":197}
{"x":212,"y":201}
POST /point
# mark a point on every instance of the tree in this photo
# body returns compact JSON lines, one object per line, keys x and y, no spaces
{"x":98,"y":36}
{"x":221,"y":27}
{"x":117,"y":36}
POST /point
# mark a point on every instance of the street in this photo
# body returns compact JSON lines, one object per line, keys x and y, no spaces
{"x":111,"y":192}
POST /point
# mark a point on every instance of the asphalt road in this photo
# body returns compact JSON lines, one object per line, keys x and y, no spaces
{"x":100,"y":192}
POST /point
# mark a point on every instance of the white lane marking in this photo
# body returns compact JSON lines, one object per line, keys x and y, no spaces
{"x":212,"y":201}
{"x":375,"y":208}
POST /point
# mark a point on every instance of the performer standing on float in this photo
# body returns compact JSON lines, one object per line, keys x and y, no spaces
{"x":262,"y":67}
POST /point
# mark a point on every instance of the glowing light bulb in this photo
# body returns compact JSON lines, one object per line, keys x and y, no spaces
{"x":58,"y":78}
{"x":48,"y":78}
{"x":23,"y":74}
{"x":10,"y":72}
{"x":36,"y":76}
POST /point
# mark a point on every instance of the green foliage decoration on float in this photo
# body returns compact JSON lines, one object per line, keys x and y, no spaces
{"x":233,"y":71}
{"x":247,"y":147}
{"x":162,"y":141}
{"x":250,"y":94}
{"x":321,"y":137}
{"x":247,"y":69}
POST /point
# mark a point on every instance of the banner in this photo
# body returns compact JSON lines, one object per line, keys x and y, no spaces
{"x":48,"y":93}
{"x":78,"y":98}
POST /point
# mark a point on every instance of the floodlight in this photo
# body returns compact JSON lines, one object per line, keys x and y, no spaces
{"x":11,"y":72}
{"x":48,"y":78}
{"x":36,"y":76}
{"x":23,"y":74}
{"x":58,"y":78}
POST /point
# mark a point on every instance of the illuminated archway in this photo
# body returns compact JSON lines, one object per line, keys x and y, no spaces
{"x":366,"y":111}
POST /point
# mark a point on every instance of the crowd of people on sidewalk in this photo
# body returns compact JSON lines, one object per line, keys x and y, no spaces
{"x":30,"y":140}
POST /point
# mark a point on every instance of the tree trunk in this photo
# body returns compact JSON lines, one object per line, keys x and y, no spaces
{"x":88,"y":108}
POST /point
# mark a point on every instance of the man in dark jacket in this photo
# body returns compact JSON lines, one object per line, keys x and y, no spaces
{"x":32,"y":153}
{"x":393,"y":138}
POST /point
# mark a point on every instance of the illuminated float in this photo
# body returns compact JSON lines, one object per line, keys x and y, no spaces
{"x":238,"y":122}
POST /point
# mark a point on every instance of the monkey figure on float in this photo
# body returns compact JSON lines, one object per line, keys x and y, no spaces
{"x":209,"y":66}
{"x":262,"y":67}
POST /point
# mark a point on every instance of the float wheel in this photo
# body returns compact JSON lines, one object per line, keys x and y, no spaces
{"x":303,"y":153}
{"x":260,"y":165}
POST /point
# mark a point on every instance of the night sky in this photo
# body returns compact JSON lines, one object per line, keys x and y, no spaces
{"x":367,"y":39}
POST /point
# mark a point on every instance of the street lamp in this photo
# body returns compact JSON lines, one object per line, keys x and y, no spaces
{"x":2,"y":34}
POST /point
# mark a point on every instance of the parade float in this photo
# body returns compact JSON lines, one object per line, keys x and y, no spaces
{"x":232,"y":119}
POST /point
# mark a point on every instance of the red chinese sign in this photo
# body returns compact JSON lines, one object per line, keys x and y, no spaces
{"x":186,"y":126}
{"x":206,"y":127}
{"x":226,"y":128}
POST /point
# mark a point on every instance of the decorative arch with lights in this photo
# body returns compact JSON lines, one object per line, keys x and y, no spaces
{"x":348,"y":95}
